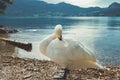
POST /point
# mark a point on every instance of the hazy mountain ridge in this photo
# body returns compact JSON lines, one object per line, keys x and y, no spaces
{"x":41,"y":8}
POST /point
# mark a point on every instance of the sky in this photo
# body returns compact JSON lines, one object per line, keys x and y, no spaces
{"x":85,"y":3}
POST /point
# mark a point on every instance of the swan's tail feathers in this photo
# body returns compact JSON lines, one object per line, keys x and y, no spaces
{"x":100,"y":66}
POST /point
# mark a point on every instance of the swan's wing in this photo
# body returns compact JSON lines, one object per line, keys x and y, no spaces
{"x":78,"y":51}
{"x":56,"y":48}
{"x":67,"y":49}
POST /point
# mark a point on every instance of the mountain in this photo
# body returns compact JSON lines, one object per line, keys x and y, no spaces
{"x":41,"y":8}
{"x":114,"y":5}
{"x":111,"y":10}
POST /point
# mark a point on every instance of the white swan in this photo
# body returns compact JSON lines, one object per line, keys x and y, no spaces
{"x":66,"y":52}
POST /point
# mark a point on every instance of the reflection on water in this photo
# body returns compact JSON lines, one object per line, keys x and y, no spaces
{"x":113,"y":22}
{"x":5,"y":48}
{"x":100,"y":34}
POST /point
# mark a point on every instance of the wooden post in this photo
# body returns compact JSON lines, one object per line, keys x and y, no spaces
{"x":22,"y":45}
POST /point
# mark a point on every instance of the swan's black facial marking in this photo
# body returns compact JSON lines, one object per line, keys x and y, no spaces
{"x":60,"y":38}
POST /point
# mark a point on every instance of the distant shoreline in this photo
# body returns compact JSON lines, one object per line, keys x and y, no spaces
{"x":50,"y":16}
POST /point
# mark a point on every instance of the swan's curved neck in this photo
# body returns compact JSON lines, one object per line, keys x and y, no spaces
{"x":45,"y":42}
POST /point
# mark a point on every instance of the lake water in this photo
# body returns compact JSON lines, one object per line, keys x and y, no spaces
{"x":101,"y":35}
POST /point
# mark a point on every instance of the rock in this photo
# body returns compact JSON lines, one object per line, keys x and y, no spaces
{"x":14,"y":68}
{"x":3,"y":29}
{"x":0,"y":62}
{"x":13,"y":31}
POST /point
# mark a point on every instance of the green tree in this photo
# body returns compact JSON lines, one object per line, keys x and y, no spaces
{"x":3,"y":5}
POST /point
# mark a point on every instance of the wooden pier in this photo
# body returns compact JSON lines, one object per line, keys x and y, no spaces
{"x":22,"y":45}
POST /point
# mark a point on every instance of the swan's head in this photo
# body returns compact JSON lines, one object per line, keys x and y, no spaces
{"x":58,"y":31}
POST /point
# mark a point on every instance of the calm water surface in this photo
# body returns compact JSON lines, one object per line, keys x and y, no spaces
{"x":101,"y":35}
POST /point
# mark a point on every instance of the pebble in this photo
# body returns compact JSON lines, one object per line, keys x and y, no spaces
{"x":14,"y":68}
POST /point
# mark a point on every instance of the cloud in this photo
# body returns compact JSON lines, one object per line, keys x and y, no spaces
{"x":82,"y":3}
{"x":105,"y":3}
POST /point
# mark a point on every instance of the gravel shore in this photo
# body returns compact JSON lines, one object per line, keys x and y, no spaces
{"x":13,"y":68}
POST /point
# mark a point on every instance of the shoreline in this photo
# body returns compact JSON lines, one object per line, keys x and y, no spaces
{"x":14,"y":68}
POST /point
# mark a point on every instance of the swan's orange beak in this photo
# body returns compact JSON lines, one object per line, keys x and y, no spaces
{"x":60,"y":38}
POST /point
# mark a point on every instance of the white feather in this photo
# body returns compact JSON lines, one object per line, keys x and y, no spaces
{"x":68,"y":53}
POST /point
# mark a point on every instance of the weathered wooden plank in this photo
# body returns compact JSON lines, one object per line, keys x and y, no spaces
{"x":23,"y":45}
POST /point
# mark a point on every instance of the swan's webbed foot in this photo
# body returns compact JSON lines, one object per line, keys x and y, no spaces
{"x":61,"y":74}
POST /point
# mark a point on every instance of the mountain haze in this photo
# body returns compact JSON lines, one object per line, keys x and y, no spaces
{"x":41,"y":8}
